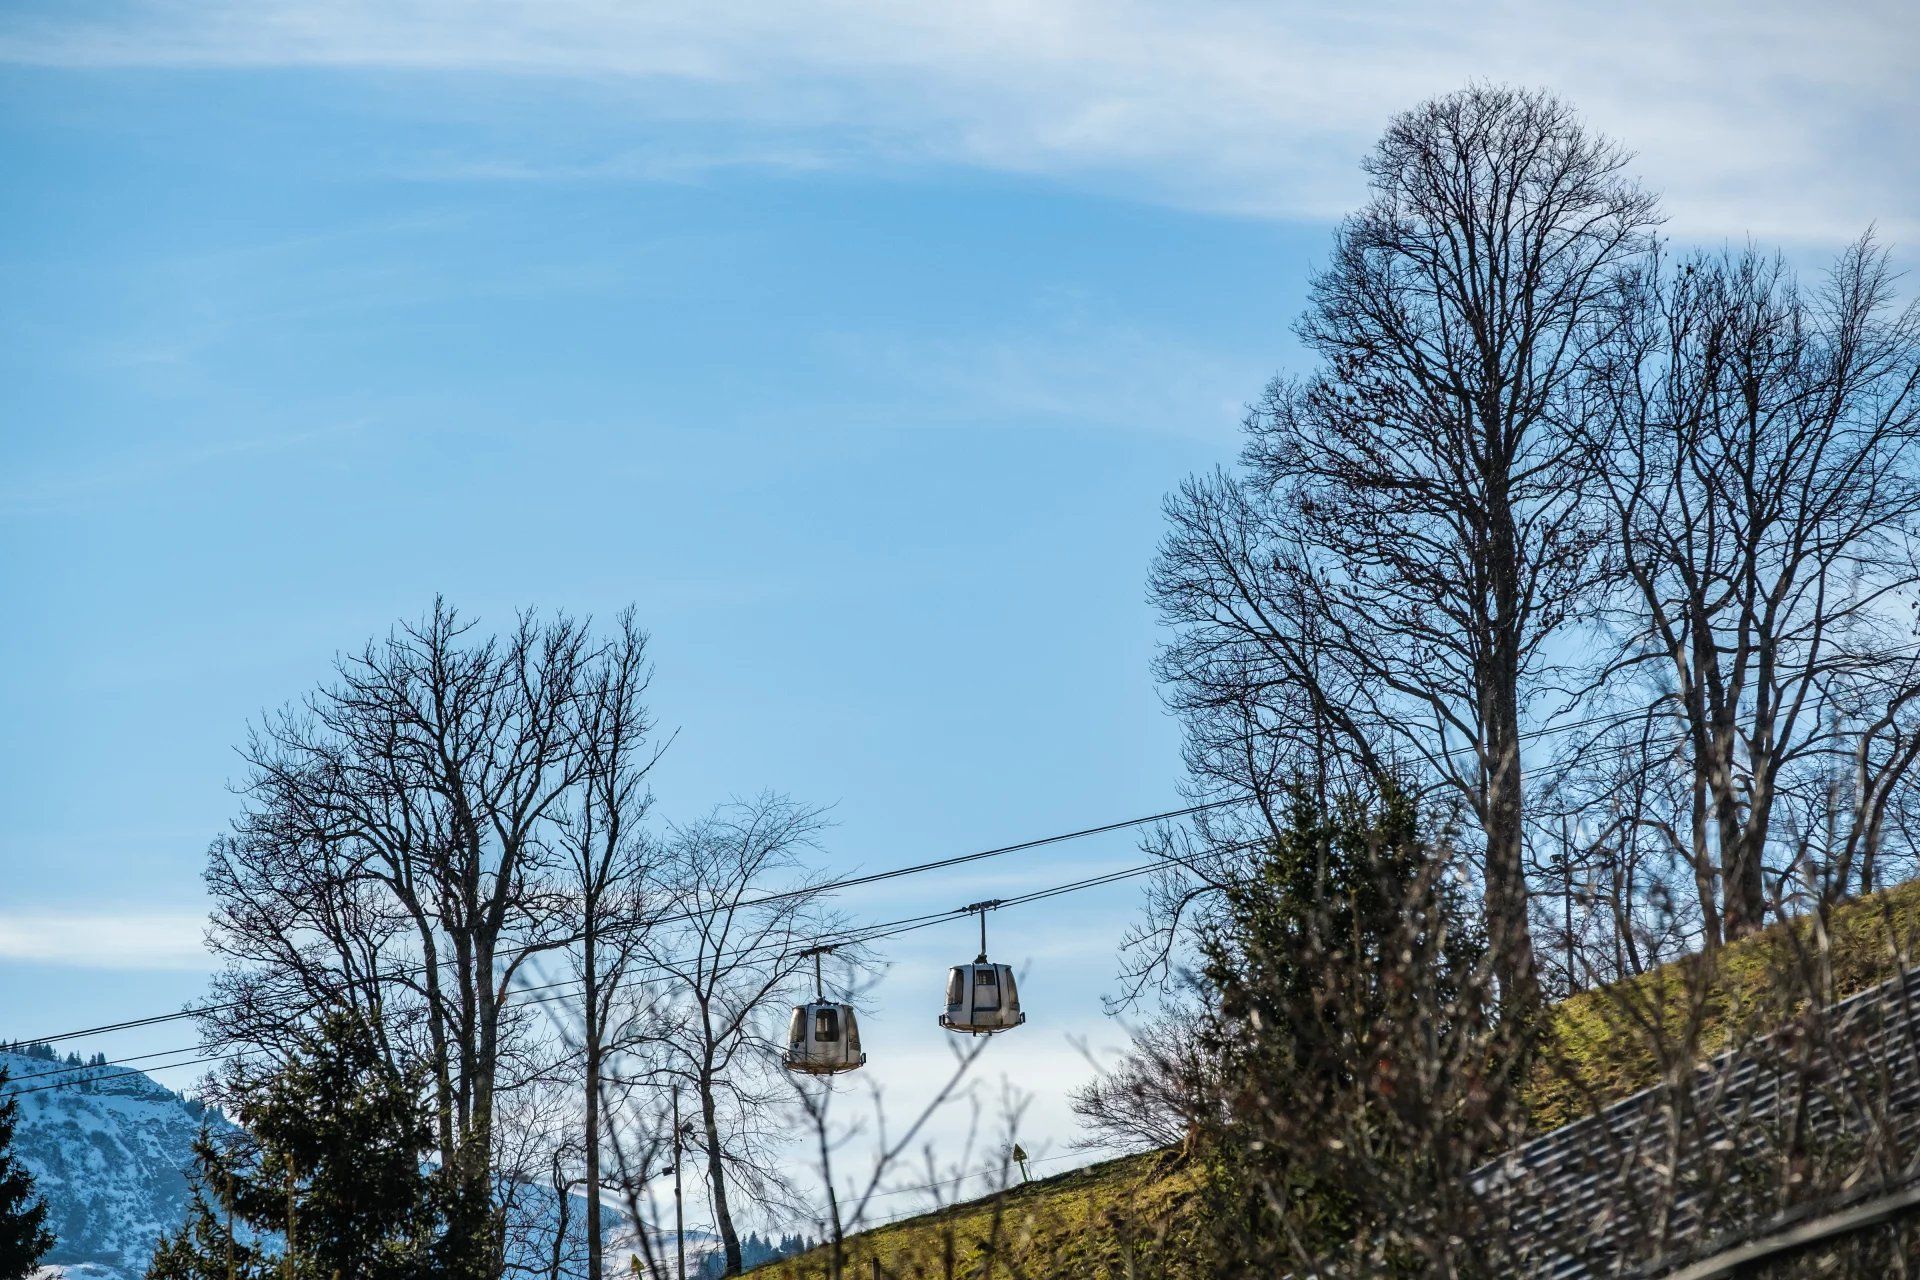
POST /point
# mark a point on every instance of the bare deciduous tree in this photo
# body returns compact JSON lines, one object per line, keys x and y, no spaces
{"x":1754,"y":446}
{"x":847,"y":1212}
{"x":398,"y":852}
{"x":738,"y":909}
{"x":1410,"y":526}
{"x":1146,"y":1101}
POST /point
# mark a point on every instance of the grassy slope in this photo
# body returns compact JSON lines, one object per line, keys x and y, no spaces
{"x":1601,"y":1046}
{"x":1074,"y":1224}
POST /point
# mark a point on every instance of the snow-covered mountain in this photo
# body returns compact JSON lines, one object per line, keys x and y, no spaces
{"x":110,"y":1152}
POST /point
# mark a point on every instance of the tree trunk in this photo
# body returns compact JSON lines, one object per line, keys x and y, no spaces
{"x":717,"y":1176}
{"x":1742,"y":840}
{"x":1743,"y":881}
{"x":1506,"y":879}
{"x":1499,"y":696}
{"x":443,"y":1104}
{"x":486,"y":1247}
{"x":1711,"y":931}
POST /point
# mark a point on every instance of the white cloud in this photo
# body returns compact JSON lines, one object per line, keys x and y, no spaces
{"x":1774,"y":117}
{"x":106,"y":940}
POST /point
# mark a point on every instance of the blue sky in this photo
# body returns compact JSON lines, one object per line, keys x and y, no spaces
{"x":855,"y":344}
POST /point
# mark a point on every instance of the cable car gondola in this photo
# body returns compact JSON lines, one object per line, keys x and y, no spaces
{"x":823,"y":1038}
{"x":982,"y":998}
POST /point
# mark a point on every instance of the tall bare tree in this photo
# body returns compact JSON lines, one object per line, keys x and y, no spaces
{"x":737,"y":907}
{"x":1409,"y":527}
{"x":1754,"y":443}
{"x":397,"y":851}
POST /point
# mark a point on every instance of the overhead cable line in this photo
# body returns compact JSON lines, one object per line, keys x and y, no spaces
{"x":829,"y":886}
{"x":851,"y":936}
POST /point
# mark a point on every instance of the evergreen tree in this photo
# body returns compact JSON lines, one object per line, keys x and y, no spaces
{"x":754,"y":1250}
{"x":330,"y":1161}
{"x":205,"y":1248}
{"x":1346,"y":954}
{"x":24,"y":1238}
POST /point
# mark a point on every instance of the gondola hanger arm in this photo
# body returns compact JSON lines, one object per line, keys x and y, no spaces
{"x":982,"y":908}
{"x":819,"y":985}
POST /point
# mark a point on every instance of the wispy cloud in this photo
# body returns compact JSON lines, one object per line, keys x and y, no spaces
{"x":59,"y":485}
{"x":674,"y":164}
{"x":105,"y":940}
{"x":1769,"y":116}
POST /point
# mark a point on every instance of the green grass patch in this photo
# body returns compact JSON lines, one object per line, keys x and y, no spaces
{"x":1112,"y":1219}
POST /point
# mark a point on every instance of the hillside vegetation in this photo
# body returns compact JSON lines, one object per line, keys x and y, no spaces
{"x":1121,"y":1217}
{"x":1104,"y":1219}
{"x":1602,"y":1044}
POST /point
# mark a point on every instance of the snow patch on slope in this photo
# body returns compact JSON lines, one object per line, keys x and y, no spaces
{"x":111,"y":1155}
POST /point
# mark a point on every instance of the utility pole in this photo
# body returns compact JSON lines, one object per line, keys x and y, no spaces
{"x":592,"y":1100}
{"x":679,"y":1220}
{"x":292,"y":1178}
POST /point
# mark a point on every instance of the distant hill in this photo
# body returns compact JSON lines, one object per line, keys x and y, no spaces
{"x":111,"y":1155}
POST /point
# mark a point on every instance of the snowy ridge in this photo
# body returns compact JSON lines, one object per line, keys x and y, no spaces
{"x":113,"y":1153}
{"x":111,"y":1156}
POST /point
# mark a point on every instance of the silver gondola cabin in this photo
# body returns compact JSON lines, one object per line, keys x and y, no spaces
{"x":982,"y":997}
{"x":823,"y":1037}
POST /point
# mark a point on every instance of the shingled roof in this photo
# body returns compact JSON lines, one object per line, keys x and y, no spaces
{"x":1820,"y":1109}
